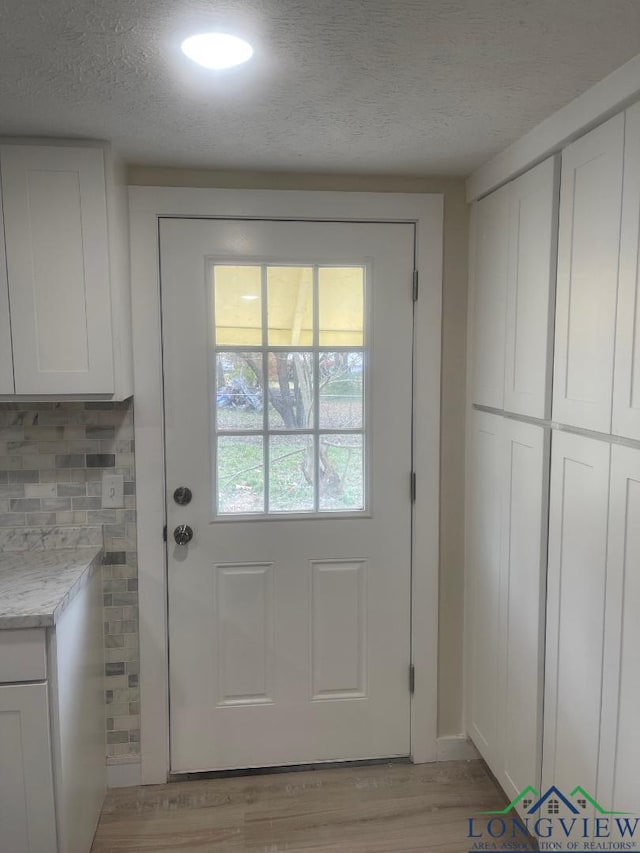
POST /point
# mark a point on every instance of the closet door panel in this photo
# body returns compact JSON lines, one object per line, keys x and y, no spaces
{"x":626,"y":385}
{"x":484,"y":581}
{"x":524,"y":555}
{"x":489,"y":285}
{"x":588,"y":254}
{"x":533,"y":228}
{"x":575,"y":610}
{"x":619,"y":778}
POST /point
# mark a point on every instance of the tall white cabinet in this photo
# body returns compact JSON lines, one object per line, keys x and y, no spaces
{"x":513,"y":248}
{"x":553,"y":635}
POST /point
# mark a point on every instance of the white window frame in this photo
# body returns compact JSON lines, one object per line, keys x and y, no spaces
{"x":265,"y":431}
{"x":147,"y":205}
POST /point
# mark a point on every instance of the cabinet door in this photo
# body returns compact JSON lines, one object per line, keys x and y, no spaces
{"x":489,"y":258}
{"x":588,"y":254}
{"x":58,"y":269}
{"x":484,"y":510}
{"x":27,"y":817}
{"x":524,"y":558}
{"x":533,"y":224}
{"x":6,"y":355}
{"x":619,"y":772}
{"x":626,"y":385}
{"x":575,"y":610}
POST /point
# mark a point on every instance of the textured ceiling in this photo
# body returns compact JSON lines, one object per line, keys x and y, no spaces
{"x":360,"y":86}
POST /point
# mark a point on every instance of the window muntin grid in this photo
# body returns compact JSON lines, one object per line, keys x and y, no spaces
{"x":289,"y":418}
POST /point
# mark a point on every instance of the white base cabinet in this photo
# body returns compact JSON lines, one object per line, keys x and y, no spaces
{"x":619,"y":765}
{"x":27,"y":816}
{"x":575,"y":614}
{"x":592,"y":737}
{"x":65,"y":301}
{"x":506,"y":555}
{"x":52,"y":750}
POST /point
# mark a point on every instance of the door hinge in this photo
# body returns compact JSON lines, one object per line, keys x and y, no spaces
{"x":415,"y":285}
{"x":164,"y":533}
{"x":412,"y":679}
{"x":413,"y":487}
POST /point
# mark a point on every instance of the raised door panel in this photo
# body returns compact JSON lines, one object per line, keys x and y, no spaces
{"x":27,"y":817}
{"x":533,"y":224}
{"x":524,"y":557}
{"x":6,"y":353}
{"x":626,"y":385}
{"x":489,"y":283}
{"x":58,"y":269}
{"x":588,"y":255}
{"x":483,"y":560}
{"x":576,"y":589}
{"x":619,"y":772}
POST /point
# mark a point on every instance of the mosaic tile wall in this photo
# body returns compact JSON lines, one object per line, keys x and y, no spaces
{"x":52,"y":458}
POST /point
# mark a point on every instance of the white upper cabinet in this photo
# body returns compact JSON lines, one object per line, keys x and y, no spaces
{"x":513,"y":267}
{"x":6,"y":353}
{"x":66,"y":307}
{"x":626,"y":384}
{"x":484,"y":582}
{"x":576,"y":587}
{"x":533,"y":228}
{"x":588,"y":255}
{"x":489,"y":262}
{"x":524,"y":561}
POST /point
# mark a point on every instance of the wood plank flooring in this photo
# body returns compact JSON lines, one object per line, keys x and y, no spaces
{"x":403,"y":808}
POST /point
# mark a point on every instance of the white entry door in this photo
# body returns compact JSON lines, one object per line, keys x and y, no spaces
{"x":288,"y":388}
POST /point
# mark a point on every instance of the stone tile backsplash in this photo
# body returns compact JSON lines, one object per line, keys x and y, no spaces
{"x":52,"y":458}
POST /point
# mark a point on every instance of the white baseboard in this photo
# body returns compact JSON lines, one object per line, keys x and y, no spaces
{"x":456,"y":748}
{"x":124,"y":775}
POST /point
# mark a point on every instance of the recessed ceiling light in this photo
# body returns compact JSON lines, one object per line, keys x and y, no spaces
{"x":250,"y":297}
{"x":217,"y":50}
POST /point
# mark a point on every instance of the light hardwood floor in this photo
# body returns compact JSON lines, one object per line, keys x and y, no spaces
{"x":375,"y":809}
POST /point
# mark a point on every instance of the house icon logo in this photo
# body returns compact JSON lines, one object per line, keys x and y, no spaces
{"x":553,"y":802}
{"x":573,"y":821}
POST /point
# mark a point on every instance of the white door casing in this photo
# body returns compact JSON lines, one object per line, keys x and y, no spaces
{"x":289,"y":639}
{"x":147,"y":204}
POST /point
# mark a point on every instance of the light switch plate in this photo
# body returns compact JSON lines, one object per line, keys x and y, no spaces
{"x":112,"y":491}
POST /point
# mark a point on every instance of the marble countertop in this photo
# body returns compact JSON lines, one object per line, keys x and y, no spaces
{"x":36,"y":586}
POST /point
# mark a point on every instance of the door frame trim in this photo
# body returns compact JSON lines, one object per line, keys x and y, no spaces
{"x":426,"y":211}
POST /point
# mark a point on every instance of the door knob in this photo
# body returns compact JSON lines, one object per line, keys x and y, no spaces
{"x":183,"y":534}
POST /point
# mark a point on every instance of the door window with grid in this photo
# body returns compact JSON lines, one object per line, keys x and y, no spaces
{"x":289,"y":389}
